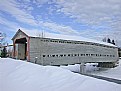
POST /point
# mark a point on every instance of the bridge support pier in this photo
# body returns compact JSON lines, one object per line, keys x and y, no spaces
{"x":82,"y":68}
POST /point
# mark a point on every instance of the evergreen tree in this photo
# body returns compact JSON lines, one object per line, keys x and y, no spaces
{"x":4,"y":53}
{"x":109,"y":41}
{"x":113,"y":42}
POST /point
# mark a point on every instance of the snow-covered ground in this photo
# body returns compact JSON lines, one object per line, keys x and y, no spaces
{"x":88,"y":68}
{"x":17,"y":75}
{"x":91,"y":68}
{"x":110,"y":72}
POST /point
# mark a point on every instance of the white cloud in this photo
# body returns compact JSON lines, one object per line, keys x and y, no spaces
{"x":60,"y":28}
{"x":32,"y":32}
{"x":25,"y":0}
{"x":30,"y":8}
{"x":95,"y":13}
{"x":41,"y":1}
{"x":11,"y":7}
{"x":53,"y":27}
{"x":90,"y":11}
{"x":11,"y":25}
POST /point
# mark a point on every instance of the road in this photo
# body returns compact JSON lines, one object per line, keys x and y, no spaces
{"x":104,"y":78}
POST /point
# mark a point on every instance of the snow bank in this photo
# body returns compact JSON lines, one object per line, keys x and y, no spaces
{"x":73,"y":68}
{"x":88,"y":68}
{"x":91,"y":68}
{"x":24,"y":76}
{"x":111,"y":72}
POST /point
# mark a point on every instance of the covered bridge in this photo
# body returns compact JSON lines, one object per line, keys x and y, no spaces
{"x":58,"y":49}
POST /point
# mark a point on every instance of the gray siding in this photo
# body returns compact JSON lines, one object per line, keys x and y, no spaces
{"x":51,"y":52}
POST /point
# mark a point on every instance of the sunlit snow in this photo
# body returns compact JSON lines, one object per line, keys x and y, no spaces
{"x":17,"y":75}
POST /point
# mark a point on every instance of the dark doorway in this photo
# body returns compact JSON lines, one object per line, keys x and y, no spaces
{"x":21,"y":48}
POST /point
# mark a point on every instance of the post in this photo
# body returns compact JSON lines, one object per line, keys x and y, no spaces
{"x":82,"y":68}
{"x":36,"y":58}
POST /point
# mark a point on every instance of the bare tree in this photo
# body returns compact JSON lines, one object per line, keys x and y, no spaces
{"x":2,"y":39}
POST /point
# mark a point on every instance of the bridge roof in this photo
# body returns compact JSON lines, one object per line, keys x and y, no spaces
{"x":36,"y":33}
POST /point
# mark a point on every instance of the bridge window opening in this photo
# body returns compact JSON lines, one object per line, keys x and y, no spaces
{"x":87,"y":54}
{"x":107,"y":55}
{"x":69,"y":55}
{"x":48,"y":55}
{"x":44,"y":55}
{"x":53,"y":55}
{"x":72,"y":55}
{"x":61,"y":55}
{"x":75,"y":54}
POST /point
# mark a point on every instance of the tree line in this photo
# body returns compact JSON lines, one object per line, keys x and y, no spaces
{"x":108,"y":40}
{"x":3,"y":51}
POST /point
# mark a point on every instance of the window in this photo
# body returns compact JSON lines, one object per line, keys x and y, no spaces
{"x":82,"y":54}
{"x":72,"y":55}
{"x":78,"y":54}
{"x":87,"y":54}
{"x":92,"y":54}
{"x":68,"y":42}
{"x":62,"y":41}
{"x":61,"y":55}
{"x":48,"y":55}
{"x":75,"y":54}
{"x":69,"y":55}
{"x":107,"y":55}
{"x":53,"y":55}
{"x":44,"y":55}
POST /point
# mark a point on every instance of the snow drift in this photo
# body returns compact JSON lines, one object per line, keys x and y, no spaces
{"x":16,"y":75}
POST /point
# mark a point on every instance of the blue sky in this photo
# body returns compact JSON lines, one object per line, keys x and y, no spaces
{"x":93,"y":19}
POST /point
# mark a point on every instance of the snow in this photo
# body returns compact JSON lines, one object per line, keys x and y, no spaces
{"x":88,"y":68}
{"x":64,"y":37}
{"x":110,"y":72}
{"x":73,"y":68}
{"x":17,"y":75}
{"x":91,"y":68}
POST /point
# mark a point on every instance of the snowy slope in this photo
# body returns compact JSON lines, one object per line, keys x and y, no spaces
{"x":16,"y":75}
